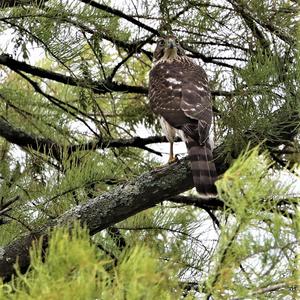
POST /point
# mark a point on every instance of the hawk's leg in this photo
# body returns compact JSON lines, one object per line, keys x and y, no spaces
{"x":172,"y":158}
{"x":170,"y":133}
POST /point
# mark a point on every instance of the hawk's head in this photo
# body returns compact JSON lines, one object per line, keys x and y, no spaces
{"x":167,"y":48}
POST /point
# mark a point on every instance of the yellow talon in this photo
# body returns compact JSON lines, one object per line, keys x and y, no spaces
{"x":172,"y":159}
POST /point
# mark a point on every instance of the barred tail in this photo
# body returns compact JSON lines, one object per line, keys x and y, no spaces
{"x":203,"y":168}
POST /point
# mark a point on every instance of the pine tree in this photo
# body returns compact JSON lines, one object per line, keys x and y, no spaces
{"x":85,"y":212}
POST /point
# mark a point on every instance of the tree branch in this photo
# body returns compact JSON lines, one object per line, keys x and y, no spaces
{"x":249,"y":18}
{"x":212,"y":203}
{"x":207,"y":59}
{"x":105,"y":210}
{"x":286,"y":131}
{"x":102,"y":87}
{"x":25,"y":140}
{"x":239,"y":8}
{"x":268,"y":289}
{"x":120,"y":14}
{"x":46,"y":146}
{"x":14,"y":3}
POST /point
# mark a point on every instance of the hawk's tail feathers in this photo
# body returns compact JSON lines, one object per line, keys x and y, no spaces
{"x":203,"y":168}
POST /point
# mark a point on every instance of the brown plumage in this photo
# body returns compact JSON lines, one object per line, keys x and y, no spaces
{"x":180,"y":96}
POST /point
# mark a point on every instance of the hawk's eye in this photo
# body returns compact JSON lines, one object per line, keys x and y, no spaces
{"x":161,"y":42}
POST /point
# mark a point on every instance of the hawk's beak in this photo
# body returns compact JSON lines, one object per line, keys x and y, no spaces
{"x":172,"y":44}
{"x":170,"y":50}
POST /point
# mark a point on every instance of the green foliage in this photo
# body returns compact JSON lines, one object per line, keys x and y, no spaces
{"x":249,"y":191}
{"x":173,"y":233}
{"x":247,"y":182}
{"x":73,"y":268}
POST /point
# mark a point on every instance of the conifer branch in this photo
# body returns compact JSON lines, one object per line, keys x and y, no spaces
{"x":46,"y":146}
{"x":250,"y":20}
{"x":25,"y":140}
{"x":102,"y":87}
{"x":265,"y":112}
{"x":257,"y":33}
{"x":212,"y":203}
{"x":109,"y":208}
{"x":286,"y":131}
{"x":120,"y":14}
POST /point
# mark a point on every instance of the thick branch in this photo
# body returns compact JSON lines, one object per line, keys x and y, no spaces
{"x":105,"y":210}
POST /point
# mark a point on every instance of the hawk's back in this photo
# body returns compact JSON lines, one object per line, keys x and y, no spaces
{"x":179,"y":93}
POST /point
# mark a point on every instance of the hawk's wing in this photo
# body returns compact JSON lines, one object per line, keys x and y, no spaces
{"x":179,"y":93}
{"x":196,"y":99}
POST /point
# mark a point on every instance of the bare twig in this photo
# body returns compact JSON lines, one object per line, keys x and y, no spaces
{"x":267,"y":289}
{"x":121,"y":14}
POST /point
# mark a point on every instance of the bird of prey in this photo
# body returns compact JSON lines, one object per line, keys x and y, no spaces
{"x":180,"y":96}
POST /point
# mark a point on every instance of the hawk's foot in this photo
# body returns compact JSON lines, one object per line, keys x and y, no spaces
{"x":172,"y":159}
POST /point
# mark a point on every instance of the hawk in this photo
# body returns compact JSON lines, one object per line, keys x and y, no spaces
{"x":180,"y":96}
